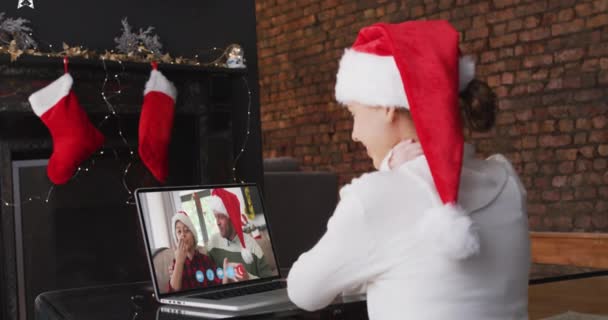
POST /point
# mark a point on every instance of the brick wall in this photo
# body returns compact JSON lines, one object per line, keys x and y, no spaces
{"x":546,"y":60}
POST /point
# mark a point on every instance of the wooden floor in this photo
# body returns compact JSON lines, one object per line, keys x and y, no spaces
{"x":587,"y":295}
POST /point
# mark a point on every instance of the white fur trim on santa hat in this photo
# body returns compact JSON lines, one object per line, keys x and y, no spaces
{"x":185,"y":219}
{"x":246,"y":255}
{"x":450,"y":230}
{"x":217,"y":205}
{"x":45,"y":98}
{"x":158,"y":82}
{"x":375,"y":80}
{"x":370,"y":80}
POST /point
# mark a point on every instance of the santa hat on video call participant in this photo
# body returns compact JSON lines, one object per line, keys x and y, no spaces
{"x":183,"y":217}
{"x":417,"y":66}
{"x":226,"y":203}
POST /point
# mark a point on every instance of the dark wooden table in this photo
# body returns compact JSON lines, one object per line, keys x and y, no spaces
{"x":134,"y":301}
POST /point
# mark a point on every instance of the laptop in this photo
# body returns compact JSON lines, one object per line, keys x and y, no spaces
{"x":215,"y":274}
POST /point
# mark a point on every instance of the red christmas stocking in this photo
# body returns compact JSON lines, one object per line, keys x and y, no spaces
{"x":155,"y":124}
{"x":75,"y":138}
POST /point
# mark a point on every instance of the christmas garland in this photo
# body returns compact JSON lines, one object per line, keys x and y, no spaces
{"x":16,"y":39}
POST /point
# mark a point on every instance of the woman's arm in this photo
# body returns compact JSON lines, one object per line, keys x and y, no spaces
{"x":339,"y":261}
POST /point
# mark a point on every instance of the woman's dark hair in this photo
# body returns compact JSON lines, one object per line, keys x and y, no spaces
{"x":478,"y":103}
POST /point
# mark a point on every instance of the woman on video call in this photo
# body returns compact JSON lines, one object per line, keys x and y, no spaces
{"x":441,"y":235}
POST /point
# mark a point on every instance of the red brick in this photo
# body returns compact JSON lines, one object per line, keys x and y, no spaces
{"x":599,"y":220}
{"x":566,"y":154}
{"x":417,"y":11}
{"x":587,"y":151}
{"x":599,"y":164}
{"x":507,"y":78}
{"x":507,"y":53}
{"x":599,"y":136}
{"x":583,"y":124}
{"x":503,"y":41}
{"x":499,"y":29}
{"x":565,"y":125}
{"x":540,"y":74}
{"x":603,"y":191}
{"x":566,"y":167}
{"x":580,"y":138}
{"x":603,"y":150}
{"x":532,"y":8}
{"x":567,"y":27}
{"x":537,"y":209}
{"x":392,"y":7}
{"x":549,"y":18}
{"x":548,"y":126}
{"x":535,"y":34}
{"x":535,"y":61}
{"x":493,"y":81}
{"x":555,"y":141}
{"x":594,"y":178}
{"x":514,"y":25}
{"x":583,"y":9}
{"x":530,"y":168}
{"x":527,"y":156}
{"x":547,"y":169}
{"x":599,"y":122}
{"x":585,"y":193}
{"x":502,"y":15}
{"x":531,"y":22}
{"x":535,"y":87}
{"x":576,"y":180}
{"x":505,"y":118}
{"x":567,"y":195}
{"x":565,"y":15}
{"x":597,"y":21}
{"x":582,"y":221}
{"x":551,"y":196}
{"x":600,"y":6}
{"x":590,"y":65}
{"x":600,"y":49}
{"x":603,"y":77}
{"x":584,"y":165}
{"x":569,"y":55}
{"x":573,"y":82}
{"x":587,"y":95}
{"x":529,"y":142}
{"x":559,"y":181}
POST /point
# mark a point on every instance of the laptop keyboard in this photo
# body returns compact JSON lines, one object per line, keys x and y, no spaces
{"x":237,"y":292}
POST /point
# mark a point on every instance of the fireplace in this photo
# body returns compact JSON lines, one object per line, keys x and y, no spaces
{"x":88,"y":233}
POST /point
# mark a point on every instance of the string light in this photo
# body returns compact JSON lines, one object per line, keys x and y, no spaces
{"x":247,"y":131}
{"x":120,"y":133}
{"x":113,"y":113}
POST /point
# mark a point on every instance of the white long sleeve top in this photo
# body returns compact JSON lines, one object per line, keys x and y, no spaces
{"x":371,"y":243}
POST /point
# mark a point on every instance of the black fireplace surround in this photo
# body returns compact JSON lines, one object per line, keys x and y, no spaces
{"x":88,"y":233}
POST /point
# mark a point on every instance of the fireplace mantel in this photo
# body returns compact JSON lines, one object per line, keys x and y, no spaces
{"x":211,"y":116}
{"x":89,"y":75}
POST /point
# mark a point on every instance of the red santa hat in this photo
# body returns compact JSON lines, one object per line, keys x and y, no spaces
{"x":226,"y":203}
{"x":182,"y":217}
{"x":415,"y":65}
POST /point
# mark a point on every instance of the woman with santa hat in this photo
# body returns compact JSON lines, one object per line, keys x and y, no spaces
{"x":435,"y":234}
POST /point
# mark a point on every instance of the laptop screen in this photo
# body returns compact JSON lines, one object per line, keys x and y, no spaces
{"x":206,"y":236}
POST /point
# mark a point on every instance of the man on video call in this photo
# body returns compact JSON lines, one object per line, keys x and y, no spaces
{"x":240,"y":255}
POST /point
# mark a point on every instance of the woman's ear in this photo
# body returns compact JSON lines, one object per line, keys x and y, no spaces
{"x":390,"y":114}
